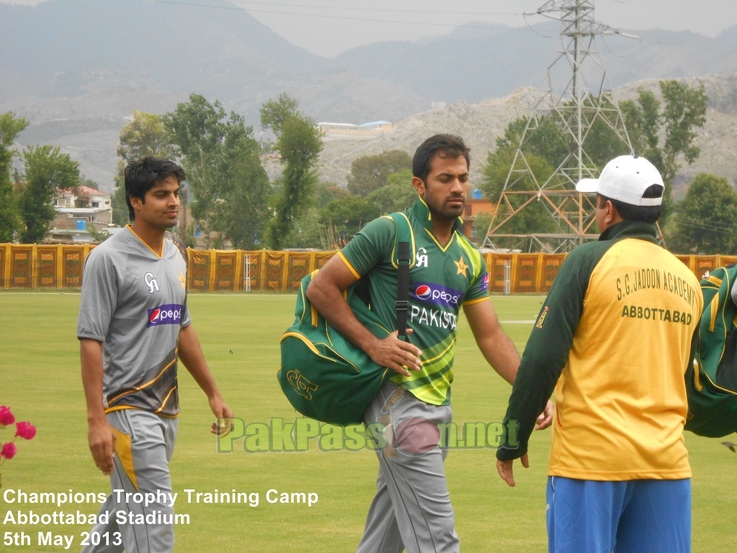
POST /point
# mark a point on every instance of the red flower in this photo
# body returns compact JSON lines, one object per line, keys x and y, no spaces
{"x":25,"y":430}
{"x":6,"y":417}
{"x":9,"y":450}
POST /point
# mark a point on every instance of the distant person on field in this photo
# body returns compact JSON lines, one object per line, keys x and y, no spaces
{"x":412,"y":509}
{"x":615,"y":334}
{"x":133,"y":327}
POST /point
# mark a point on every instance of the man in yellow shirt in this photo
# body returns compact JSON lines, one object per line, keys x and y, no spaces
{"x":614,"y":339}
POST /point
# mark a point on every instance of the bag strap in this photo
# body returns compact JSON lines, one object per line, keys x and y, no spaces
{"x":402,"y":302}
{"x":403,"y":258}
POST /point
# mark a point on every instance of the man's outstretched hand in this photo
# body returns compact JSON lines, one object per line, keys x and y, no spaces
{"x":506,"y":469}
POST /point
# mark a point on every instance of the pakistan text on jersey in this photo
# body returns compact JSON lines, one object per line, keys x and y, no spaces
{"x":656,"y":314}
{"x":432,"y":317}
{"x":654,"y":279}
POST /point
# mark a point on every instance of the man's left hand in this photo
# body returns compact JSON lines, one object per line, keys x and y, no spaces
{"x":506,"y":469}
{"x":224,"y":415}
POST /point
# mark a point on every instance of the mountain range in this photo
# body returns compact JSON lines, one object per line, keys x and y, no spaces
{"x":76,"y":69}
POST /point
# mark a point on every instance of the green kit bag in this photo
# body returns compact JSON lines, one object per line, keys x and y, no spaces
{"x":323,"y":375}
{"x":711,"y":382}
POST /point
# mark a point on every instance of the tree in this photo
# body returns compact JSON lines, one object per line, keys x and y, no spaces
{"x":197,"y":129}
{"x":684,"y":111}
{"x":326,"y":192}
{"x":642,"y":120}
{"x":241,"y":209}
{"x":602,"y":143}
{"x":547,"y":141}
{"x":275,"y":113}
{"x":221,"y":159}
{"x":369,"y":173}
{"x":704,"y":221}
{"x":307,"y":231}
{"x":144,"y":135}
{"x":397,"y":194}
{"x":349,"y":214}
{"x":10,"y":128}
{"x":299,"y":143}
{"x":46,"y":170}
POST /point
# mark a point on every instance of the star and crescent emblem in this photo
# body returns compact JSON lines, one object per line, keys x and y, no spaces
{"x":461,"y":267}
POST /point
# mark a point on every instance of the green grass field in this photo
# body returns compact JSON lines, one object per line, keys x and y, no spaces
{"x":39,"y":380}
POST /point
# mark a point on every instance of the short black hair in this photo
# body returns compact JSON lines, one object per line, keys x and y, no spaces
{"x":447,"y":145}
{"x":643,"y":213}
{"x":143,"y":174}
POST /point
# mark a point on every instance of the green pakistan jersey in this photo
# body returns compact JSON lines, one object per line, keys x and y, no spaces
{"x":441,"y":279}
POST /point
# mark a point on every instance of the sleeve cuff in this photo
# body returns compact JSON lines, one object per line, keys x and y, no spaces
{"x":348,"y":264}
{"x":507,"y":454}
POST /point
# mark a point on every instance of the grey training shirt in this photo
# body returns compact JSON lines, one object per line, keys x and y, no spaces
{"x":134,"y":302}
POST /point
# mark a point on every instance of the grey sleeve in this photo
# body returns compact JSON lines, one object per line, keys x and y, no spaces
{"x":186,"y":319}
{"x":99,"y":296}
{"x":181,"y":246}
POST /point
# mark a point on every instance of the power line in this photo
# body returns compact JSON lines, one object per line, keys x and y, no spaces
{"x":712,"y":226}
{"x":246,"y":2}
{"x":365,"y":19}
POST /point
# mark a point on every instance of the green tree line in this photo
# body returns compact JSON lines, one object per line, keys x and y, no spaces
{"x":228,"y":192}
{"x":229,"y":197}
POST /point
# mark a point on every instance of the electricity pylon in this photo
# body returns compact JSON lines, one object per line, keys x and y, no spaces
{"x":578,"y":100}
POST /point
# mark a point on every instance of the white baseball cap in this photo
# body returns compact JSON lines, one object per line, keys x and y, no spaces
{"x":625,"y":178}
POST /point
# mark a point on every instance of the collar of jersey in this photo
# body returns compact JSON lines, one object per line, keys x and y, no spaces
{"x":422,"y":213}
{"x":163,"y":246}
{"x":631,"y":229}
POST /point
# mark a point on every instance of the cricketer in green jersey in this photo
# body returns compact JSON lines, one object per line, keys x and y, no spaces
{"x":412,"y":506}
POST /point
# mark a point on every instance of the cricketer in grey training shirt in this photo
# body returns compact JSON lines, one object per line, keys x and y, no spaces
{"x":135,"y":302}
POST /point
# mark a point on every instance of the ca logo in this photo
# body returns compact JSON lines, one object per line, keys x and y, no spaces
{"x":421,"y":258}
{"x":150,"y":281}
{"x":301,"y":385}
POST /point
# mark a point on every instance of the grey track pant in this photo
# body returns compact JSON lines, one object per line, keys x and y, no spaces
{"x":411,"y":508}
{"x":144,"y":446}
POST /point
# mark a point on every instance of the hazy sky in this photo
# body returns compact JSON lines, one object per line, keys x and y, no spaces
{"x":328,"y":27}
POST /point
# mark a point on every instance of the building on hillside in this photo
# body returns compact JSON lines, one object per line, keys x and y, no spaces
{"x":476,"y":205}
{"x":376,"y":126}
{"x":350,"y":131}
{"x":76,"y":209}
{"x":336,"y":127}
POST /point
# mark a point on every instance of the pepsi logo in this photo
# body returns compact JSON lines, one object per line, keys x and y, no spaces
{"x":437,"y":294}
{"x":423,"y":292}
{"x":169,"y":314}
